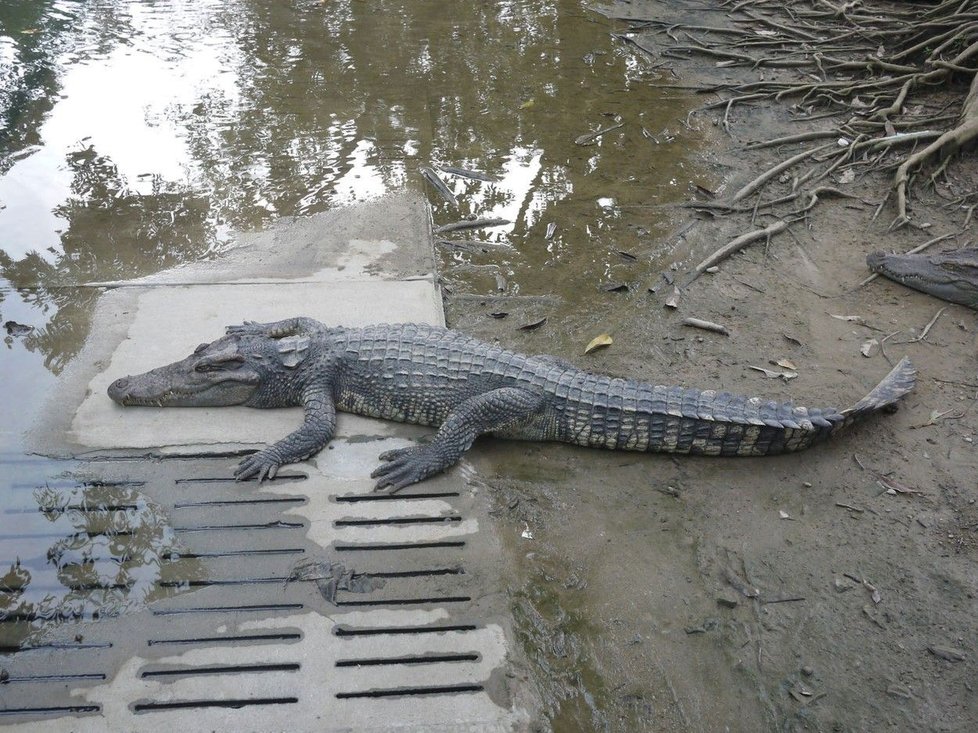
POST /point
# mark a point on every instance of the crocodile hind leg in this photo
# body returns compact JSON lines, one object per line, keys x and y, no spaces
{"x":483,"y":413}
{"x":300,"y":326}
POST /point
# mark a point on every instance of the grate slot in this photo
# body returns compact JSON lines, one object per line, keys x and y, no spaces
{"x":68,"y":535}
{"x":411,"y":691}
{"x":230,"y":639}
{"x":230,"y":609}
{"x":207,"y":583}
{"x":72,"y":484}
{"x":347,"y":631}
{"x":146,"y":707}
{"x":235,"y":527}
{"x":399,"y":546}
{"x":73,"y":507}
{"x":356,"y":498}
{"x":425,"y":659}
{"x":54,"y":677}
{"x":64,"y":615}
{"x":415,"y":573}
{"x":54,"y":710}
{"x":394,"y":521}
{"x":406,"y":601}
{"x":231,"y":553}
{"x":60,"y":647}
{"x":56,"y":587}
{"x":228,"y":669}
{"x":240,"y":502}
{"x":280,"y":478}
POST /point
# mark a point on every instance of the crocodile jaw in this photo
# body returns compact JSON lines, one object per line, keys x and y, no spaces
{"x":952,"y":276}
{"x":208,"y":378}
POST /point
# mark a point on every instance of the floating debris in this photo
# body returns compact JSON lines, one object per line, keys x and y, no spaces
{"x":467,"y":173}
{"x":473,"y":245}
{"x":592,"y":137}
{"x":551,"y":229}
{"x":471,"y":224}
{"x":439,"y":185}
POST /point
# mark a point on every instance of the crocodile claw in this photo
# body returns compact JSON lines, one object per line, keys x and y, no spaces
{"x":264,"y":464}
{"x":403,"y":467}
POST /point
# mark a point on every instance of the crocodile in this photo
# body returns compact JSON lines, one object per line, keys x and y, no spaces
{"x":951,"y":276}
{"x":465,"y":388}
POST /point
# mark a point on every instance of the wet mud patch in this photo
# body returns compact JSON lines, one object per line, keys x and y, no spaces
{"x":828,"y":590}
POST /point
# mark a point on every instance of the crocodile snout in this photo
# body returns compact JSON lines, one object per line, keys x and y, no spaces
{"x":119,"y":388}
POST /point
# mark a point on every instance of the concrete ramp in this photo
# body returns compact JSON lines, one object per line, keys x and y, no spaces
{"x":305,"y":603}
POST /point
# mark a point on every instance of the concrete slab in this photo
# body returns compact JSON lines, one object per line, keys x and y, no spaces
{"x":395,"y":621}
{"x":371,"y":263}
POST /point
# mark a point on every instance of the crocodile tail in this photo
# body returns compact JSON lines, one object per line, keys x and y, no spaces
{"x":896,"y":384}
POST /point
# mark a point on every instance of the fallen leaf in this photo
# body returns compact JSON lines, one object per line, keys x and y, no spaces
{"x":786,"y":364}
{"x":771,"y":374}
{"x":533,"y":324}
{"x":673,"y":300}
{"x":527,"y":104}
{"x":869,"y":347}
{"x":852,"y":319}
{"x":599,"y":342}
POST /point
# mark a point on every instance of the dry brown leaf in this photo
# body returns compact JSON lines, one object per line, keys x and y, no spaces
{"x":599,"y":342}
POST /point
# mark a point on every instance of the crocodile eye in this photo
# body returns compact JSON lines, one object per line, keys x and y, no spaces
{"x":224,"y":365}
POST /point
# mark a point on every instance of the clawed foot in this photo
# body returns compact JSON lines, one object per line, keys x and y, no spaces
{"x":264,"y":464}
{"x":247,"y":328}
{"x":405,"y":466}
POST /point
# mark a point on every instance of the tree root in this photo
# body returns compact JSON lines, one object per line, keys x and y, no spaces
{"x":870,"y":72}
{"x":947,"y":144}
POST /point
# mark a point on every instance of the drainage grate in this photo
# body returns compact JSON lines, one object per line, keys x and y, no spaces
{"x":231,"y":624}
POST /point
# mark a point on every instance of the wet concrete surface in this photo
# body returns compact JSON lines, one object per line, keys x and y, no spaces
{"x":174,"y":596}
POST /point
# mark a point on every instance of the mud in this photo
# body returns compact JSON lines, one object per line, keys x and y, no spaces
{"x":805,"y":592}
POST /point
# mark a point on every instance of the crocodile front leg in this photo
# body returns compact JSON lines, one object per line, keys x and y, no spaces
{"x":483,"y":413}
{"x":316,"y":431}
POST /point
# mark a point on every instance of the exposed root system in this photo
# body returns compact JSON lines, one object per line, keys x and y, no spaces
{"x":869,"y":78}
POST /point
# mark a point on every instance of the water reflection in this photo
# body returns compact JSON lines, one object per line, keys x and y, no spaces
{"x":137,"y":135}
{"x":75,"y":550}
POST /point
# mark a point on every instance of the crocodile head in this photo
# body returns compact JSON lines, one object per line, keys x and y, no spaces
{"x":229,"y":371}
{"x":952,"y":276}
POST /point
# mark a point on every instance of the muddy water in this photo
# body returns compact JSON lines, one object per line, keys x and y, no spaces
{"x":136,"y":136}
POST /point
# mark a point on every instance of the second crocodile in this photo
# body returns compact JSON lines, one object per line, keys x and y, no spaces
{"x":951,"y":276}
{"x":433,"y":376}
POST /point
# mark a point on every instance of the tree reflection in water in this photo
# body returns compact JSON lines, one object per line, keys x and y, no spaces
{"x":113,"y":551}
